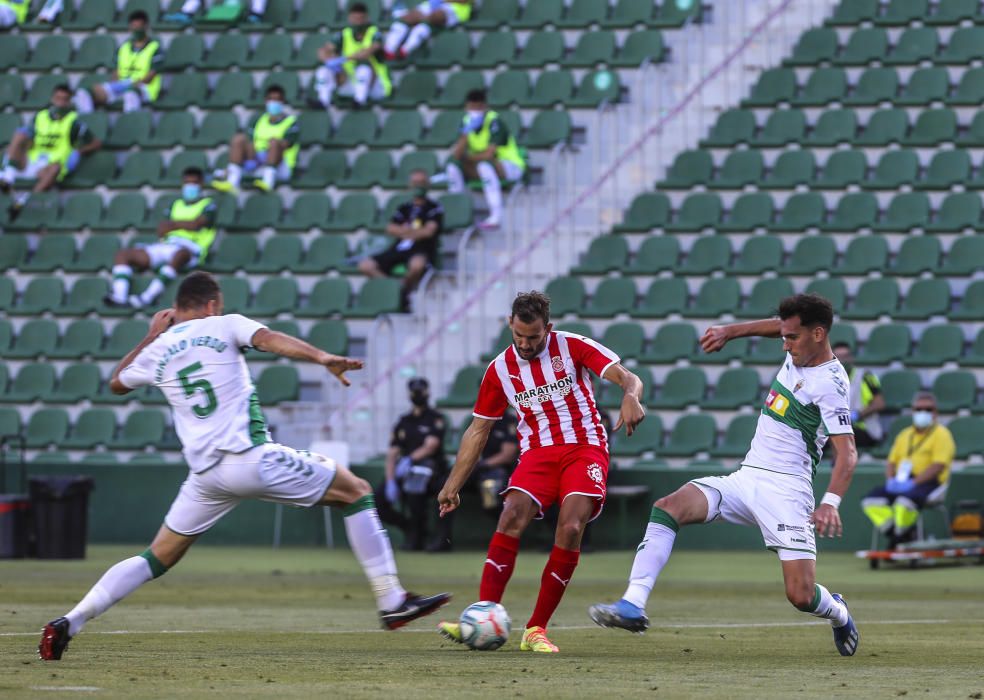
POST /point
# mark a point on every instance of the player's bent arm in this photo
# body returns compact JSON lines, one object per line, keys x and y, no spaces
{"x":296,"y":349}
{"x":418,"y":234}
{"x":158,"y":324}
{"x":847,"y":459}
{"x":716,"y":337}
{"x":631,"y":412}
{"x":629,"y":381}
{"x":472,"y":444}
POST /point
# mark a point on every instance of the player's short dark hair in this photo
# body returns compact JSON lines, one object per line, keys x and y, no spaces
{"x":62,"y":87}
{"x":138,"y":15}
{"x":196,"y":290}
{"x":477,"y":95}
{"x":529,"y":306}
{"x":358,"y":7}
{"x":192,"y":171}
{"x":812,"y":309}
{"x":279,"y":89}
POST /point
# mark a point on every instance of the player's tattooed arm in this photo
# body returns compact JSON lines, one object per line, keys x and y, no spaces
{"x":826,"y":517}
{"x":161,"y":321}
{"x":716,"y":337}
{"x":288,"y":346}
{"x":472,"y":444}
{"x":632,"y":412}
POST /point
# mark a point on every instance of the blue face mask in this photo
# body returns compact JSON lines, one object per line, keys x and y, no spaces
{"x":190,"y":191}
{"x":274,"y":108}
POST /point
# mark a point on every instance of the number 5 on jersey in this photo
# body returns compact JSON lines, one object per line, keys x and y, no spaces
{"x":190,"y":387}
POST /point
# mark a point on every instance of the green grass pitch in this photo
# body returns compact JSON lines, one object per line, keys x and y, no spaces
{"x":300,"y":623}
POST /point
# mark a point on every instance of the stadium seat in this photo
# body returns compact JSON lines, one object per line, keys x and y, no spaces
{"x":272,"y":51}
{"x":54,"y":251}
{"x":275,"y":295}
{"x":757,"y":255}
{"x":567,"y":295}
{"x":842,"y":169}
{"x":35,"y":381}
{"x":683,"y":386}
{"x":355,"y":128}
{"x":811,"y":255}
{"x":773,"y":86}
{"x":399,"y":129}
{"x":735,"y":388}
{"x":370,"y":169}
{"x":963,"y":47}
{"x":89,"y":14}
{"x":142,"y":428}
{"x":926,"y":298}
{"x":47,"y":426}
{"x":946,"y":169}
{"x":445,"y":50}
{"x":537,"y":15}
{"x":626,"y":339}
{"x":689,"y":168}
{"x":81,"y":211}
{"x":605,"y":254}
{"x":95,"y":51}
{"x":82,"y":337}
{"x":938,"y":344}
{"x":814,"y":47}
{"x":898,"y":387}
{"x":7,"y":293}
{"x":824,"y":86}
{"x":457,"y":86}
{"x":125,"y":210}
{"x":493,"y":49}
{"x":766,"y":351}
{"x":715,"y":297}
{"x":325,"y":168}
{"x":647,"y":438}
{"x":655,"y":254}
{"x":850,"y":13}
{"x":13,"y":250}
{"x":691,"y":435}
{"x":968,"y":435}
{"x":865,"y":45}
{"x":10,"y":423}
{"x":763,"y":299}
{"x":77,"y":383}
{"x":184,"y":51}
{"x":37,"y":337}
{"x":613,"y":295}
{"x":53,"y":51}
{"x":548,"y":129}
{"x":970,"y":304}
{"x":233,"y":253}
{"x":672,"y":342}
{"x":706,"y":255}
{"x":377,"y":296}
{"x":737,"y":437}
{"x":509,"y":88}
{"x":140,"y":168}
{"x":914,"y":45}
{"x":551,"y":88}
{"x":783,"y":126}
{"x":876,"y":85}
{"x":328,"y":296}
{"x":732,"y":127}
{"x":954,"y":390}
{"x":662,"y":297}
{"x":355,"y":211}
{"x":953,"y":12}
{"x":894,"y":169}
{"x":864,"y":254}
{"x":926,"y":85}
{"x":917,"y":255}
{"x":124,"y":336}
{"x":698,"y":211}
{"x":639,"y":49}
{"x":969,"y":90}
{"x":414,"y":160}
{"x":898,"y":13}
{"x":802,"y":211}
{"x":41,"y":294}
{"x":975,"y":356}
{"x":887,"y":342}
{"x":740,"y":168}
{"x":646,"y":212}
{"x":874,"y":298}
{"x":883,"y":127}
{"x":933,"y":126}
{"x":183,"y":91}
{"x":331,"y":336}
{"x":464,"y":388}
{"x":415,"y":88}
{"x":629,"y":13}
{"x":854,"y":211}
{"x":231,"y":90}
{"x":965,"y":257}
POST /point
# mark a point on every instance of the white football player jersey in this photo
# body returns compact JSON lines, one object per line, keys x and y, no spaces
{"x":199,"y":365}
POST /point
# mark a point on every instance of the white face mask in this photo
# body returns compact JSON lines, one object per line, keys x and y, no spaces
{"x":475,"y":114}
{"x":922,"y":419}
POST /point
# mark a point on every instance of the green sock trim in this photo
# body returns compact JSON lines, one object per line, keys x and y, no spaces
{"x":660,"y":516}
{"x":816,"y":599}
{"x":365,"y":503}
{"x":156,"y":567}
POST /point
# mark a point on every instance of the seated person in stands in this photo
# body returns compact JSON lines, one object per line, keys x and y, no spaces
{"x":269,"y":151}
{"x":416,"y":224}
{"x":190,"y":8}
{"x":13,"y":12}
{"x":496,"y":464}
{"x":413,"y":27}
{"x":185,"y":237}
{"x":352,"y":62}
{"x":485,"y":150}
{"x":917,"y":472}
{"x":47,"y":150}
{"x":136,"y":79}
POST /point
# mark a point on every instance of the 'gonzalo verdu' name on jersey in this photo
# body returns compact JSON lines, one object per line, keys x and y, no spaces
{"x":174,"y":349}
{"x":548,"y":392}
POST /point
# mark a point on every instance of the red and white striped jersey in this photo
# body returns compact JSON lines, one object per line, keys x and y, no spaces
{"x":551,"y":394}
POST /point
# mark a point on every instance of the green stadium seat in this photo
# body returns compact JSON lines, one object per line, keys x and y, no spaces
{"x":625,"y":339}
{"x":605,"y":254}
{"x":218,"y":128}
{"x":37,"y":337}
{"x":825,"y":85}
{"x":764,"y":298}
{"x":938,"y":344}
{"x":803,"y":210}
{"x":706,"y":255}
{"x":781,"y":128}
{"x":946,"y":169}
{"x":230,"y":49}
{"x":311,"y":210}
{"x":54,"y":251}
{"x":464,"y":388}
{"x":596,"y":88}
{"x":884,"y":126}
{"x":854,"y":211}
{"x":331,"y":336}
{"x":655,"y":254}
{"x":887,"y":342}
{"x":537,"y":15}
{"x":95,"y":51}
{"x":234,"y":253}
{"x":774,"y":85}
{"x":271,"y":51}
{"x":443,"y":130}
{"x":458,"y":212}
{"x":926,"y":298}
{"x":325,"y":168}
{"x":508,"y":88}
{"x":184,"y":51}
{"x":676,"y":14}
{"x":968,"y":435}
{"x":739,"y":168}
{"x":790,"y":169}
{"x":281,"y":253}
{"x":835,"y":126}
{"x":183,"y":91}
{"x":926,"y":85}
{"x":876,"y":85}
{"x":235,"y":294}
{"x":970,"y":89}
{"x":48,"y":426}
{"x":898,"y":388}
{"x":592,"y":49}
{"x":90,"y":14}
{"x":35,"y":381}
{"x":628,"y":13}
{"x":457,"y":86}
{"x":122,"y":339}
{"x":39,"y":94}
{"x":965,"y":257}
{"x":279,"y":12}
{"x":399,"y":129}
{"x":172,"y":129}
{"x":647,"y":438}
{"x":664,"y":296}
{"x":353,"y":212}
{"x":899,"y":13}
{"x":933,"y":126}
{"x":715,"y":297}
{"x":151,"y":7}
{"x":95,"y":169}
{"x":814,"y":47}
{"x":698,"y":211}
{"x":732,"y":127}
{"x":875,"y":297}
{"x":834,"y":290}
{"x":864,"y":46}
{"x":369,"y":169}
{"x":551,"y":88}
{"x":548,"y":129}
{"x":9,"y":123}
{"x":141,"y":168}
{"x":905,"y":212}
{"x":614,"y":295}
{"x":735,"y":388}
{"x":81,"y":211}
{"x":766,"y":351}
{"x":288,"y":80}
{"x":583,"y":13}
{"x":963,"y":48}
{"x":487,"y":16}
{"x":414,"y":160}
{"x":41,"y":294}
{"x":917,"y":255}
{"x":10,"y":423}
{"x":307,"y":53}
{"x":610,"y":395}
{"x":494,"y":48}
{"x":416,"y":88}
{"x":954,"y":390}
{"x":842,"y":169}
{"x":501,"y":343}
{"x":750,"y":211}
{"x":646,"y":212}
{"x":737,"y":437}
{"x":691,"y":434}
{"x":82,"y":338}
{"x":811,"y":255}
{"x":567,"y":295}
{"x":356,"y":128}
{"x":53,"y":51}
{"x":894,"y":169}
{"x":141,"y":429}
{"x":328,"y":296}
{"x":232,"y":89}
{"x":975,"y":356}
{"x":78,"y":383}
{"x":974,"y":135}
{"x":689,"y":168}
{"x":276,"y":295}
{"x":125,"y":210}
{"x":377,"y":296}
{"x":289,"y":327}
{"x":915,"y":44}
{"x":683,"y":386}
{"x":260,"y":211}
{"x":953,"y":12}
{"x":13,"y":250}
{"x":640,"y":48}
{"x":86,"y":296}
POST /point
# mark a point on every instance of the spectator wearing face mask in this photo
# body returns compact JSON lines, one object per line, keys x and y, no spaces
{"x":352,"y":64}
{"x":917,"y":472}
{"x":184,"y":240}
{"x":268,"y":152}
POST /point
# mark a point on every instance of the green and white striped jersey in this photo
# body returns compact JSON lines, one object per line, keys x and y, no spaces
{"x":199,"y":365}
{"x":805,"y":405}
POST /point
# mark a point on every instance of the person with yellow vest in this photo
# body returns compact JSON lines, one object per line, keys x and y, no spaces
{"x":866,"y":397}
{"x":184,"y":239}
{"x":412,"y":27}
{"x":136,"y":80}
{"x":13,"y":12}
{"x":352,"y":64}
{"x":485,"y":149}
{"x":269,"y":150}
{"x":47,"y":150}
{"x":917,"y":472}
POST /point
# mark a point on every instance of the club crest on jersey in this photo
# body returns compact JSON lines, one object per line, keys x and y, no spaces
{"x":557,"y":363}
{"x":777,"y":403}
{"x":547,"y":392}
{"x":799,"y":385}
{"x":595,"y":473}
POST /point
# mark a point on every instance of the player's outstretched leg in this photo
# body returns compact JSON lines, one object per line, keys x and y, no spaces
{"x":810,"y":597}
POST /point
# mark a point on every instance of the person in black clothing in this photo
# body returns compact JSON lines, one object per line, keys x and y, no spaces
{"x":498,"y":460}
{"x":415,"y":468}
{"x":416,"y":224}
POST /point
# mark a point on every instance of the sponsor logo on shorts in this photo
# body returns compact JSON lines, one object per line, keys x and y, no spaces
{"x":790,"y":528}
{"x":777,"y":403}
{"x":797,"y":539}
{"x":542,"y":394}
{"x":595,"y":473}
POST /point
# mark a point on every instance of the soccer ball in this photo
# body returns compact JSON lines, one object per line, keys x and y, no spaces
{"x":484,"y":626}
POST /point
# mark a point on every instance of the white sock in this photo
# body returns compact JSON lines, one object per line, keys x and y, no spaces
{"x":650,"y":558}
{"x":234,"y":174}
{"x":418,"y":35}
{"x":362,"y":83}
{"x":269,"y":176}
{"x":51,"y":9}
{"x":397,"y":33}
{"x":83,"y":101}
{"x":324,"y":85}
{"x":456,"y":179}
{"x":117,"y":583}
{"x":257,"y":7}
{"x":371,"y":545}
{"x":164,"y":275}
{"x":828,"y":608}
{"x":191,"y":7}
{"x":492,"y":188}
{"x":121,"y":282}
{"x":131,"y":101}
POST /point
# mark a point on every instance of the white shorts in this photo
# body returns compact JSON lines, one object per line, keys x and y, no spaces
{"x":269,"y":472}
{"x":34,"y":166}
{"x":8,"y":18}
{"x":162,"y":253}
{"x":376,"y":91}
{"x":779,"y":504}
{"x":283,"y":170}
{"x":513,"y":172}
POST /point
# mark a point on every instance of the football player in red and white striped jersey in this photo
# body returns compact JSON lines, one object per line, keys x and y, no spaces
{"x":546,"y":376}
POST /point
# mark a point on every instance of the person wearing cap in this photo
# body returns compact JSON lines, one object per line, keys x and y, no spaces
{"x":917,"y":472}
{"x":415,"y":467}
